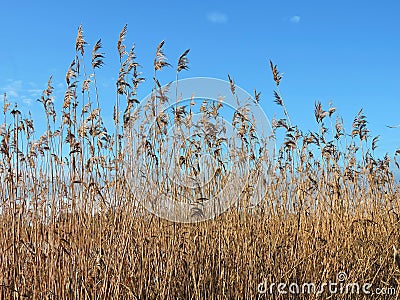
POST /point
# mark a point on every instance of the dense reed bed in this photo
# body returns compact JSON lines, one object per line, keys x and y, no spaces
{"x":71,"y":227}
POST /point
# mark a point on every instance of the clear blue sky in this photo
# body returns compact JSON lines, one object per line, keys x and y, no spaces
{"x":341,"y":51}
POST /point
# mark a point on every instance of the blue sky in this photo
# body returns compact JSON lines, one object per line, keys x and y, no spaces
{"x":346,"y":52}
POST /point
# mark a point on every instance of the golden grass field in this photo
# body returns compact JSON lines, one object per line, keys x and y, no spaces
{"x":70,"y":228}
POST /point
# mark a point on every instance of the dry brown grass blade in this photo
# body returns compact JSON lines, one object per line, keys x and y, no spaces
{"x":396,"y":257}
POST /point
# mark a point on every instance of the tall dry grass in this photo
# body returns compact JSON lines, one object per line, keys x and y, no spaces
{"x":70,"y":228}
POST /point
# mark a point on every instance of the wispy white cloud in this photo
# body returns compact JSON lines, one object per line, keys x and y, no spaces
{"x":60,"y":85}
{"x":295,"y":19}
{"x":17,"y":91}
{"x":26,"y":100}
{"x":12,"y":88}
{"x":217,"y":17}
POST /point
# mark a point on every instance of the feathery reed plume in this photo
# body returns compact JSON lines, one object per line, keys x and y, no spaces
{"x":360,"y":126}
{"x":97,"y":57}
{"x":80,"y":41}
{"x":71,"y":227}
{"x":232,"y":84}
{"x":120,"y":46}
{"x":6,"y":104}
{"x":275,"y":73}
{"x":320,"y":114}
{"x":375,"y":140}
{"x":160,"y":58}
{"x":278,"y":99}
{"x":257,"y":96}
{"x":183,"y":61}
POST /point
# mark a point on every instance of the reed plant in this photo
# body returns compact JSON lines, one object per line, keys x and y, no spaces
{"x":71,"y":227}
